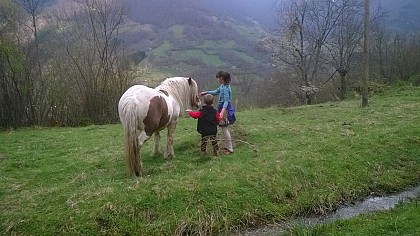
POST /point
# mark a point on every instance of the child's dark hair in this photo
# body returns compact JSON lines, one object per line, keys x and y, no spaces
{"x":219,"y":74}
{"x":208,"y":99}
{"x":226,"y":77}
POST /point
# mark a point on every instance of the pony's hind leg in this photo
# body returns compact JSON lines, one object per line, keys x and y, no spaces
{"x":141,"y":139}
{"x":138,"y":167}
{"x":169,"y":153}
{"x":155,"y":149}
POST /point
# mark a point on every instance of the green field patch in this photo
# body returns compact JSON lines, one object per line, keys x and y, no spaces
{"x":198,"y":54}
{"x":162,"y":49}
{"x":220,"y":44}
{"x":243,"y":56}
{"x":178,"y":31}
{"x":251,"y":33}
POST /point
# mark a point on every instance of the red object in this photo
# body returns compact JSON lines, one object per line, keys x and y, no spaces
{"x":198,"y":114}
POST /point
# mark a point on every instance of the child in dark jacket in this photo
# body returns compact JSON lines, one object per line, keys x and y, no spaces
{"x":208,"y":119}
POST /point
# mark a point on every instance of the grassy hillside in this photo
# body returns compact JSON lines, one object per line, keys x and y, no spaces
{"x":187,"y":50}
{"x":308,"y":160}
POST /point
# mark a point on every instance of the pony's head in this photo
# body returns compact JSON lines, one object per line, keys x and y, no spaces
{"x":184,"y":90}
{"x":195,"y":99}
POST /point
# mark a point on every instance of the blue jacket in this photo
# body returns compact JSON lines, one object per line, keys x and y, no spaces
{"x":225,"y":94}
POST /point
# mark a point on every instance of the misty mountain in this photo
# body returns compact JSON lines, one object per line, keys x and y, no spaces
{"x":164,"y":12}
{"x":403,"y":15}
{"x":202,"y":36}
{"x":246,"y":11}
{"x":199,"y":37}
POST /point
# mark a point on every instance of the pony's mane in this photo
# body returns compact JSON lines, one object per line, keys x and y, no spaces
{"x":179,"y":89}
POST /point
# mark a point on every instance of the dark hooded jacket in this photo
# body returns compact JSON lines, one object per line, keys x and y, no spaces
{"x":207,"y":124}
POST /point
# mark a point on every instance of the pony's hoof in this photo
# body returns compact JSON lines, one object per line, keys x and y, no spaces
{"x":156,"y":154}
{"x":169,"y":156}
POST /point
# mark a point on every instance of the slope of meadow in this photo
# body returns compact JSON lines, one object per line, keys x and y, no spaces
{"x":287,"y":162}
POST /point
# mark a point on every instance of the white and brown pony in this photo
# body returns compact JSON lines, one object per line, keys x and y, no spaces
{"x":145,"y":111}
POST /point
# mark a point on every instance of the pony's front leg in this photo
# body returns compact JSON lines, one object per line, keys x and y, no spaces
{"x":169,"y":153}
{"x":155,"y":149}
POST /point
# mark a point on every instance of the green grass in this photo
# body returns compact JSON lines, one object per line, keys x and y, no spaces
{"x":162,"y":49}
{"x":220,"y":44}
{"x":310,"y":159}
{"x":243,"y":56}
{"x":203,"y":53}
{"x":198,"y":54}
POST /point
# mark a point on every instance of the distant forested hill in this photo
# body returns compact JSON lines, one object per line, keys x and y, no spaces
{"x":198,"y":37}
{"x":201,"y":36}
{"x":403,"y":15}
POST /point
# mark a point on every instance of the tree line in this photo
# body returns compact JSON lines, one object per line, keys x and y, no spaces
{"x":67,"y":67}
{"x":317,"y":51}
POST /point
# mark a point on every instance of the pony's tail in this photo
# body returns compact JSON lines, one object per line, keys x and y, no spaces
{"x":132,"y":152}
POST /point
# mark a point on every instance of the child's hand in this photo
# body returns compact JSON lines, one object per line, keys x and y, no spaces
{"x":202,"y":93}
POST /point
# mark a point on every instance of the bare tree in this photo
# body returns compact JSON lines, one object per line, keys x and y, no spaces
{"x":344,"y":41}
{"x":347,"y":39}
{"x":394,"y":56}
{"x":33,"y":8}
{"x":98,"y":65}
{"x":305,"y":28}
{"x":16,"y":107}
{"x":365,"y":98}
{"x":39,"y":90}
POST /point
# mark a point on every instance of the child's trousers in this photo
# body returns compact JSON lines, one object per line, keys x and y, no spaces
{"x":212,"y":139}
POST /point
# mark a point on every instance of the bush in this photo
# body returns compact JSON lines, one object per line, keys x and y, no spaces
{"x":415,"y":80}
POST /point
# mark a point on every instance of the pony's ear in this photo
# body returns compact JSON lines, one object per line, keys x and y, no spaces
{"x":189,"y":81}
